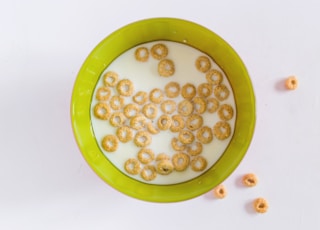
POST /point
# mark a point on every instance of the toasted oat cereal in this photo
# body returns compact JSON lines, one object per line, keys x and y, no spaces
{"x":194,"y":122}
{"x":138,"y":122}
{"x":172,"y":89}
{"x":221,"y":92}
{"x":132,"y":166}
{"x":125,"y":87}
{"x":117,"y":119}
{"x":159,"y":51}
{"x":203,"y":64}
{"x":152,"y":129}
{"x":110,"y":78}
{"x":212,"y":105}
{"x":185,"y":108}
{"x":195,"y":149}
{"x":150,"y":110}
{"x":180,"y":161}
{"x":110,"y":143}
{"x":103,"y":94}
{"x":146,"y":155}
{"x":164,"y":167}
{"x":200,"y":105}
{"x":260,"y":205}
{"x":186,"y":136}
{"x":250,"y":180}
{"x":177,"y":145}
{"x":141,"y":54}
{"x":131,"y":110}
{"x":148,"y":172}
{"x":220,"y":191}
{"x":162,"y":156}
{"x":166,"y":68}
{"x":291,"y":83}
{"x":140,"y":97}
{"x":164,"y":122}
{"x":177,"y":123}
{"x":102,"y":111}
{"x":225,"y":112}
{"x":156,"y":96}
{"x":204,"y":90}
{"x":214,"y":77}
{"x":124,"y":134}
{"x":222,"y":130}
{"x":188,"y":91}
{"x":204,"y":135}
{"x":142,"y":139}
{"x":198,"y":163}
{"x":116,"y":102}
{"x":168,"y":106}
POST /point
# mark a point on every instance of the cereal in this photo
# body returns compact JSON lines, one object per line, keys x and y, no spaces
{"x":188,"y":91}
{"x":140,"y":97}
{"x":250,"y":180}
{"x":168,"y":106}
{"x":156,"y":96}
{"x":131,"y":110}
{"x":102,"y":111}
{"x":138,"y":122}
{"x":260,"y":205}
{"x":132,"y":166}
{"x":204,"y":90}
{"x":198,"y":163}
{"x":164,"y":167}
{"x":172,"y":89}
{"x":186,"y":136}
{"x":125,"y":87}
{"x":212,"y":105}
{"x":103,"y":94}
{"x":221,"y":92}
{"x":194,"y":122}
{"x":291,"y":83}
{"x":152,"y":129}
{"x":124,"y":134}
{"x":204,"y":135}
{"x":110,"y":143}
{"x":117,"y":119}
{"x":162,"y":156}
{"x":180,"y":161}
{"x":220,"y":191}
{"x":142,"y":139}
{"x":166,"y":68}
{"x":185,"y":108}
{"x":222,"y":130}
{"x":214,"y":77}
{"x":145,"y":156}
{"x":116,"y":102}
{"x":177,"y":145}
{"x":141,"y":54}
{"x":194,"y":149}
{"x":159,"y":51}
{"x":225,"y":112}
{"x":150,"y":110}
{"x":148,"y":173}
{"x":203,"y":64}
{"x":200,"y":105}
{"x":110,"y":78}
{"x":177,"y":123}
{"x":164,"y":122}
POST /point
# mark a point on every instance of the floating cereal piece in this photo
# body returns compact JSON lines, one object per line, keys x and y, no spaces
{"x":188,"y":91}
{"x":110,"y":143}
{"x":124,"y":134}
{"x":131,"y":110}
{"x":168,"y":106}
{"x":220,"y":191}
{"x":159,"y":51}
{"x":204,"y":135}
{"x":194,"y":149}
{"x":291,"y":83}
{"x":185,"y":108}
{"x":116,"y":102}
{"x":177,"y":123}
{"x":260,"y":205}
{"x":172,"y":89}
{"x":150,"y":110}
{"x":117,"y":119}
{"x":162,"y":156}
{"x":103,"y":94}
{"x":194,"y":122}
{"x":138,"y":122}
{"x":110,"y":78}
{"x":148,"y":173}
{"x":200,"y":105}
{"x":156,"y":96}
{"x":186,"y":136}
{"x":204,"y":90}
{"x":180,"y":161}
{"x":177,"y":145}
{"x":250,"y":180}
{"x":125,"y":87}
{"x":132,"y":166}
{"x":225,"y":112}
{"x":142,"y":139}
{"x":140,"y":97}
{"x":212,"y":105}
{"x":214,"y":77}
{"x":141,"y":54}
{"x":164,"y":167}
{"x":222,"y":130}
{"x":152,"y":129}
{"x":166,"y":68}
{"x":164,"y":122}
{"x":198,"y":163}
{"x":221,"y":92}
{"x":102,"y":111}
{"x":203,"y":64}
{"x":146,"y":156}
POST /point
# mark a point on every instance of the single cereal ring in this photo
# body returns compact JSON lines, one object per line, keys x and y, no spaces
{"x":125,"y":87}
{"x":148,"y":172}
{"x":165,"y":167}
{"x":110,"y":143}
{"x":131,"y":110}
{"x":291,"y":83}
{"x":200,"y":105}
{"x":164,"y":122}
{"x":204,"y":90}
{"x":145,"y":156}
{"x":117,"y":119}
{"x":141,"y":54}
{"x":159,"y":51}
{"x":260,"y":205}
{"x":177,"y":145}
{"x":221,"y":92}
{"x":156,"y":96}
{"x":180,"y":161}
{"x":140,"y":97}
{"x":220,"y":191}
{"x":194,"y":122}
{"x":162,"y":156}
{"x":214,"y":77}
{"x":116,"y":102}
{"x":150,"y":110}
{"x":138,"y":122}
{"x":132,"y":166}
{"x":250,"y":180}
{"x":204,"y":135}
{"x":124,"y":134}
{"x":172,"y":89}
{"x":102,"y":111}
{"x":142,"y":139}
{"x":186,"y":137}
{"x":188,"y":91}
{"x":168,"y":106}
{"x":166,"y":68}
{"x":203,"y":64}
{"x":185,"y":108}
{"x":177,"y":123}
{"x":103,"y":94}
{"x":198,"y":163}
{"x":152,"y":129}
{"x":195,"y":149}
{"x":110,"y":78}
{"x":212,"y":105}
{"x":225,"y":112}
{"x":222,"y":130}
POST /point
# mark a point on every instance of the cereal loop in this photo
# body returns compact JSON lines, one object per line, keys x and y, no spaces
{"x":117,"y":119}
{"x":204,"y":135}
{"x":260,"y":205}
{"x":165,"y":167}
{"x":200,"y":105}
{"x":198,"y":164}
{"x":140,"y":97}
{"x":156,"y":96}
{"x":195,"y":149}
{"x":185,"y":108}
{"x":124,"y":134}
{"x":148,"y":173}
{"x":214,"y":77}
{"x":194,"y":122}
{"x":177,"y":145}
{"x":150,"y":110}
{"x":225,"y":112}
{"x":141,"y":54}
{"x":132,"y":166}
{"x":220,"y":191}
{"x":250,"y":180}
{"x":188,"y":91}
{"x":152,"y":129}
{"x":110,"y":78}
{"x":222,"y":130}
{"x":159,"y":51}
{"x":168,"y":106}
{"x":164,"y":122}
{"x":180,"y":161}
{"x":131,"y":110}
{"x":103,"y":94}
{"x":138,"y":122}
{"x":102,"y":111}
{"x":291,"y":83}
{"x":166,"y":68}
{"x":145,"y":156}
{"x":142,"y":139}
{"x":125,"y":87}
{"x":110,"y":143}
{"x":203,"y":64}
{"x":186,"y":137}
{"x":212,"y":105}
{"x":177,"y":123}
{"x":221,"y":92}
{"x":116,"y":102}
{"x":172,"y":89}
{"x":204,"y":90}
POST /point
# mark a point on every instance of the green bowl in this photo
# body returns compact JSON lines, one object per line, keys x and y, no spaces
{"x":176,"y":30}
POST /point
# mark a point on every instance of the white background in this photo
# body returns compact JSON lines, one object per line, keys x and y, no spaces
{"x":46,"y":184}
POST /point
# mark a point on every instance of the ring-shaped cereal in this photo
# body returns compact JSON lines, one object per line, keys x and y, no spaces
{"x":159,"y":51}
{"x":166,"y":68}
{"x":132,"y":166}
{"x":142,"y":139}
{"x":291,"y":83}
{"x":103,"y":94}
{"x":186,"y":136}
{"x":212,"y":105}
{"x":177,"y":123}
{"x":204,"y":90}
{"x":110,"y":143}
{"x":199,"y":104}
{"x":162,"y":157}
{"x":180,"y":161}
{"x":198,"y":164}
{"x":156,"y":96}
{"x":125,"y":87}
{"x":124,"y":134}
{"x":146,"y":156}
{"x":250,"y":180}
{"x":225,"y":112}
{"x":221,"y":92}
{"x":138,"y":122}
{"x":194,"y":122}
{"x":260,"y":205}
{"x":140,"y":97}
{"x":185,"y":108}
{"x":188,"y":91}
{"x":150,"y":110}
{"x":203,"y":64}
{"x":110,"y":78}
{"x":195,"y":149}
{"x":204,"y":135}
{"x":222,"y":130}
{"x":102,"y":111}
{"x":165,"y":167}
{"x":164,"y":122}
{"x":152,"y":129}
{"x":116,"y":102}
{"x":148,"y":172}
{"x":177,"y":145}
{"x":220,"y":191}
{"x":141,"y":54}
{"x":214,"y":77}
{"x":168,"y":106}
{"x":117,"y":119}
{"x":172,"y":89}
{"x":131,"y":110}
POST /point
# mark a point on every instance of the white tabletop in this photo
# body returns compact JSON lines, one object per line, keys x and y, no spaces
{"x":46,"y":183}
